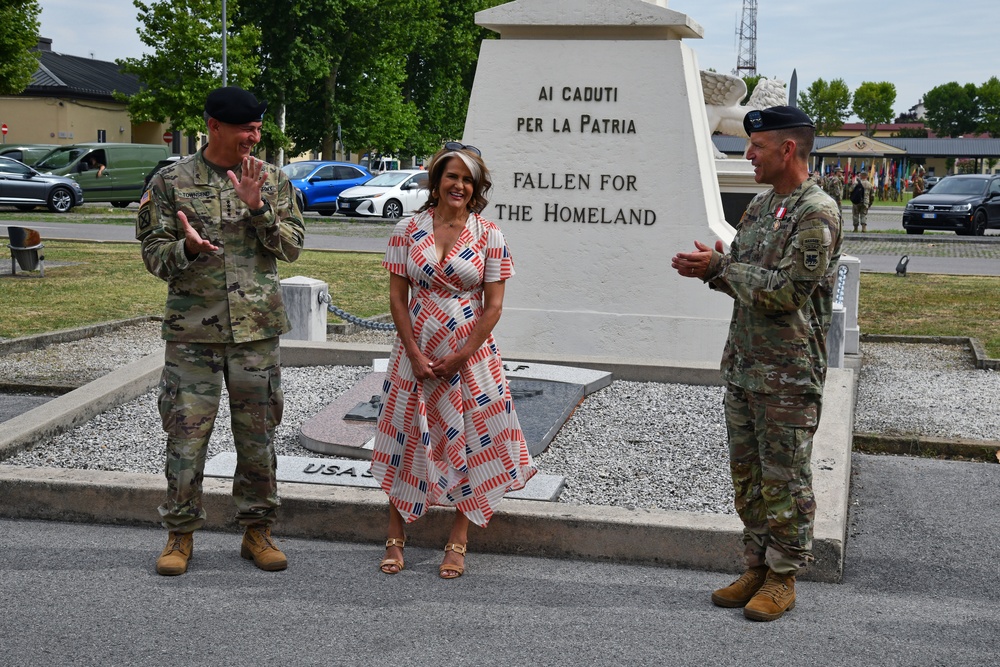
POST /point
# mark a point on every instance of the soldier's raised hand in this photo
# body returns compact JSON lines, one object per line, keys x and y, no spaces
{"x":193,"y":243}
{"x":249,"y":184}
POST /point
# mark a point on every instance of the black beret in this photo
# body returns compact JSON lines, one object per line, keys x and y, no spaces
{"x":234,"y":105}
{"x":775,"y":118}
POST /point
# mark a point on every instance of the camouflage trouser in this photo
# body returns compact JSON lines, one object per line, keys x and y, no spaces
{"x":859,"y":214}
{"x":190,"y":390}
{"x":770,"y":446}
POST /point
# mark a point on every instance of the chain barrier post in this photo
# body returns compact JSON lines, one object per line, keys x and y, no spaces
{"x":306,"y":313}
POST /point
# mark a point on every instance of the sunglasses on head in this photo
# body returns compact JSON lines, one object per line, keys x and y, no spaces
{"x":455,"y":146}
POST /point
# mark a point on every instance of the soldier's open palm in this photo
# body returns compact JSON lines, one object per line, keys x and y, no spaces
{"x":251,"y":180}
{"x":193,"y":243}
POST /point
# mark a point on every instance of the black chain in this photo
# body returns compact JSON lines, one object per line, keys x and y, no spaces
{"x":354,"y":319}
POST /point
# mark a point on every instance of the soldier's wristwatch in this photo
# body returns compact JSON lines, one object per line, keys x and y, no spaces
{"x":262,"y":210}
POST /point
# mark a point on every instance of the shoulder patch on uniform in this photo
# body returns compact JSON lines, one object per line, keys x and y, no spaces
{"x":811,"y":248}
{"x":144,"y":220}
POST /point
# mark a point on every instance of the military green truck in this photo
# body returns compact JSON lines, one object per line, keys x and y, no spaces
{"x":112,"y":173}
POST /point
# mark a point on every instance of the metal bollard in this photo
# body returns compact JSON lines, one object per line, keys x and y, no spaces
{"x":836,"y":338}
{"x":303,"y":298}
{"x":847,"y":292}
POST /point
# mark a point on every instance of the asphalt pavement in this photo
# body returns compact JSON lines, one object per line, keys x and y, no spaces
{"x":919,"y":588}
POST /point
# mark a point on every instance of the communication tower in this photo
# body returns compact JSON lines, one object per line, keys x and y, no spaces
{"x":746,"y":61}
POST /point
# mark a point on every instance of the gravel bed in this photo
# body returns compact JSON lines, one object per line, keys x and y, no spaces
{"x":634,"y":445}
{"x":84,"y":360}
{"x":932,"y":391}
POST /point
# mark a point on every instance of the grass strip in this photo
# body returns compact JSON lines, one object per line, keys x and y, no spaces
{"x":924,"y":304}
{"x":87,"y":283}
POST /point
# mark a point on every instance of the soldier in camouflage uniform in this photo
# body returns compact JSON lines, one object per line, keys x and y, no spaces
{"x":213,"y":226}
{"x":859,"y":212}
{"x":918,"y":182}
{"x":780,"y":271}
{"x":835,"y":185}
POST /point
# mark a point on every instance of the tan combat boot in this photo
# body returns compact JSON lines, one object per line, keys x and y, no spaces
{"x":774,"y":598}
{"x":740,"y":591}
{"x":261,"y":549}
{"x":175,"y":556}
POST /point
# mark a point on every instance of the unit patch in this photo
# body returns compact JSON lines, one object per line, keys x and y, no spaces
{"x":145,"y":218}
{"x":811,"y":253}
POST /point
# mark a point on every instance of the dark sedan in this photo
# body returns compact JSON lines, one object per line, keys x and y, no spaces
{"x":26,"y":188}
{"x":967,"y":204}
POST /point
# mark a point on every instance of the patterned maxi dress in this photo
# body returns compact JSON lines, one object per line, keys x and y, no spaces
{"x":454,"y":442}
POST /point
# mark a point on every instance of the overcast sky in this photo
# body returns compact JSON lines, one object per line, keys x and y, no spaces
{"x":917,"y":44}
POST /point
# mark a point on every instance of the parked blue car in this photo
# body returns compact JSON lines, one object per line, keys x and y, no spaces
{"x":319,"y":183}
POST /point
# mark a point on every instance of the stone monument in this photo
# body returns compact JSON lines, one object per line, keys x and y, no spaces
{"x":590,"y":115}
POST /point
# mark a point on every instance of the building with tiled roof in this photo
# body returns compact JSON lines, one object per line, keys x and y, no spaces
{"x":71,"y":99}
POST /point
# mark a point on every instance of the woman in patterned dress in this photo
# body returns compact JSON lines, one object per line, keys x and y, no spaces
{"x":447,"y":430}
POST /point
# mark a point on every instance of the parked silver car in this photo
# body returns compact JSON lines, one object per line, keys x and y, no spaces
{"x":25,"y":188}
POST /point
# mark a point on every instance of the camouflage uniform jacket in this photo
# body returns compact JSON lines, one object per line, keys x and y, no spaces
{"x":232,"y":295}
{"x":869,"y":192}
{"x":781,"y":271}
{"x":835,"y":187}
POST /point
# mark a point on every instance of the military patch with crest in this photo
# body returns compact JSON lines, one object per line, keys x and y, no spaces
{"x":810,"y":254}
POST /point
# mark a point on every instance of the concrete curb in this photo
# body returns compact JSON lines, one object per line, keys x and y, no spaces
{"x":914,"y":445}
{"x":80,"y":405}
{"x":38,"y":341}
{"x":653,"y":537}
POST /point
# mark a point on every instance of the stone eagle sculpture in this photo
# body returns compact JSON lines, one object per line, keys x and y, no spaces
{"x":723,"y":94}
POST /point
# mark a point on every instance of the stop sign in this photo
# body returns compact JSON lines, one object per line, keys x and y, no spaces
{"x":168,"y":137}
{"x":3,"y":128}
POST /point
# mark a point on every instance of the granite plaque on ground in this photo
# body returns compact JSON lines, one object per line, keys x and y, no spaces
{"x":352,"y":472}
{"x":328,"y":432}
{"x":545,"y":396}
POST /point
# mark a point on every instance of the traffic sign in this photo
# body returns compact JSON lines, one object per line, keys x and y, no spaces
{"x":168,"y":137}
{"x":3,"y":128}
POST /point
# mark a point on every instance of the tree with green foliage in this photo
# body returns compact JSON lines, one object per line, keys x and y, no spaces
{"x":297,"y":53}
{"x":440,"y":74}
{"x":374,"y":114}
{"x":952,"y":109}
{"x":383,"y":76}
{"x":988,"y":101}
{"x":389,"y":76}
{"x":873,"y":104}
{"x":827,"y":104}
{"x":18,"y":39}
{"x":751,"y":80}
{"x":186,"y":63}
{"x":911,"y":133}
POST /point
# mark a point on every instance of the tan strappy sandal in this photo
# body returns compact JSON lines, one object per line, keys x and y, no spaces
{"x":392,"y":562}
{"x":457,"y":570}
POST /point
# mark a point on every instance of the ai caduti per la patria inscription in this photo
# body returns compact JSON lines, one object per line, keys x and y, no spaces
{"x":591,"y":119}
{"x":585,"y":123}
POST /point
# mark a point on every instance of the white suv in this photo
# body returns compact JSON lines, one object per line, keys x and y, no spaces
{"x":388,"y":195}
